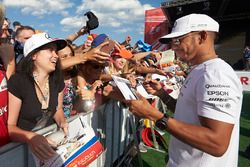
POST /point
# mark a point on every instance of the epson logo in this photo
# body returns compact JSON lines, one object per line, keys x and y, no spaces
{"x":216,"y":86}
{"x":218,"y":93}
{"x":217,"y":99}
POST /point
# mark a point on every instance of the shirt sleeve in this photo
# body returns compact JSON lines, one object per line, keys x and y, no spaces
{"x":218,"y":96}
{"x":15,"y":85}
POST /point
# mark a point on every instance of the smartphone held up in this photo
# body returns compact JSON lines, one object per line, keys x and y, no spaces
{"x":108,"y":48}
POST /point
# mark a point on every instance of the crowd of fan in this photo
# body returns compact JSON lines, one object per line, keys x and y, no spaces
{"x":86,"y":71}
{"x":126,"y":61}
{"x":46,"y":80}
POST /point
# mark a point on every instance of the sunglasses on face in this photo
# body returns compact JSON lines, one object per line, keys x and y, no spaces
{"x":177,"y":41}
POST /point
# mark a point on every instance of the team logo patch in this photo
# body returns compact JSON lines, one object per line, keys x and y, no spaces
{"x":218,"y":99}
{"x":47,"y":36}
{"x":218,"y":93}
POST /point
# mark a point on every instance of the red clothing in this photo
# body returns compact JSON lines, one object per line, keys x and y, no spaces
{"x":4,"y":136}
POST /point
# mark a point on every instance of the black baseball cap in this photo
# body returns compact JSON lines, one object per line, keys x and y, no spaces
{"x":16,"y":23}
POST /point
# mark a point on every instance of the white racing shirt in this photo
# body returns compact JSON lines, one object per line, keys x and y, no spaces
{"x":211,"y":90}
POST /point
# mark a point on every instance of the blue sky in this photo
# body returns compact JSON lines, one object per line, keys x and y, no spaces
{"x":118,"y":18}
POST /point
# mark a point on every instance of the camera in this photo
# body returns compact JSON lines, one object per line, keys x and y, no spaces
{"x":92,"y":22}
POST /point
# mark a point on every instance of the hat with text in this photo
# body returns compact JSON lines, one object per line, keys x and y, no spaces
{"x":38,"y":40}
{"x":189,"y":23}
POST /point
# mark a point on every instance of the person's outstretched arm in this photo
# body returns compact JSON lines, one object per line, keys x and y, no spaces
{"x":93,"y":54}
{"x":74,"y":36}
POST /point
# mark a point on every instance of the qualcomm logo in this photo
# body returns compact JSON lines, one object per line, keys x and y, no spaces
{"x":216,"y":86}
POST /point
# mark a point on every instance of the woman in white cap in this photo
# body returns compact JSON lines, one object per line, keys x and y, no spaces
{"x":36,"y":93}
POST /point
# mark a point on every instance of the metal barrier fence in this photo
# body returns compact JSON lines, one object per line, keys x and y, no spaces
{"x":112,"y":124}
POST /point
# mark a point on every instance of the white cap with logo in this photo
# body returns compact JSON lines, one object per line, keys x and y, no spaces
{"x":189,"y":23}
{"x":39,"y":40}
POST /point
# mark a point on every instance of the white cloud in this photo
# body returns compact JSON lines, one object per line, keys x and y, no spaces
{"x":22,"y":3}
{"x":117,"y":14}
{"x":140,"y":29}
{"x":65,"y":13}
{"x":73,"y":22}
{"x":121,"y":11}
{"x":115,"y":24}
{"x":40,"y":7}
{"x":123,"y":30}
{"x":49,"y":25}
{"x":120,"y":16}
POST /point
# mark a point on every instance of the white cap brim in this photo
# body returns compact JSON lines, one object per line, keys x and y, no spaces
{"x":166,"y":38}
{"x":60,"y":44}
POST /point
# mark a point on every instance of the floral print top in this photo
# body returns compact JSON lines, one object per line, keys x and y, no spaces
{"x":69,"y":94}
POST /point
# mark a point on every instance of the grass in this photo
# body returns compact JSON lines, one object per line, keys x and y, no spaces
{"x":157,"y":159}
{"x":244,"y":131}
{"x":153,"y":158}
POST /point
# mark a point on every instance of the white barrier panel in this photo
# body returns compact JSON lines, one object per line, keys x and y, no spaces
{"x":111,"y":125}
{"x":244,"y":79}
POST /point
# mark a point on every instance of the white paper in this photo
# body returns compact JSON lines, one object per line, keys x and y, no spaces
{"x":128,"y":92}
{"x":125,"y":88}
